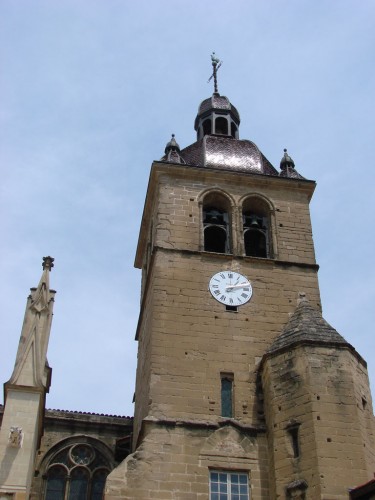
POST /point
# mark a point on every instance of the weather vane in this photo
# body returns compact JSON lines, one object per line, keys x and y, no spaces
{"x":216,"y":63}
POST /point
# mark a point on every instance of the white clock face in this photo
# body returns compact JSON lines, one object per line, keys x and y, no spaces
{"x":230,"y":288}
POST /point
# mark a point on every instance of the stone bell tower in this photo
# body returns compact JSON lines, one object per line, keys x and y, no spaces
{"x":240,"y":392}
{"x":25,"y":393}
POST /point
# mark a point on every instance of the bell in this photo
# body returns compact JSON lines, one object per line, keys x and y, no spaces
{"x":213,"y":217}
{"x":254,"y":222}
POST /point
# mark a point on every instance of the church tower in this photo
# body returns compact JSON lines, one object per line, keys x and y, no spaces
{"x":241,"y":392}
{"x":25,"y":393}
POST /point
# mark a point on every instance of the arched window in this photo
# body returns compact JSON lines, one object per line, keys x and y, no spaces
{"x":78,"y":472}
{"x":79,"y":482}
{"x":255,"y":219}
{"x":221,"y":126}
{"x":98,"y":482}
{"x":216,"y":224}
{"x":55,"y":489}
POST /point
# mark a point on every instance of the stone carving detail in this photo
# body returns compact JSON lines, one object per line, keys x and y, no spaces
{"x":15,"y":437}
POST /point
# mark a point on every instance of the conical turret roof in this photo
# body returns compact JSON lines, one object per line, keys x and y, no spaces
{"x":307,"y":325}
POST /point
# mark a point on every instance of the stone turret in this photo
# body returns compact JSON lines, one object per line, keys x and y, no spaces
{"x":318,"y":409}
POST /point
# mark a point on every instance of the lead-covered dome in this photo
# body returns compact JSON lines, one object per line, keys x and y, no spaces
{"x":217,"y":115}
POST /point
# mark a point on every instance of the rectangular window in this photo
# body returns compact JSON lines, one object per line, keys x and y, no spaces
{"x":225,"y":485}
{"x":293,"y":431}
{"x":227,"y":395}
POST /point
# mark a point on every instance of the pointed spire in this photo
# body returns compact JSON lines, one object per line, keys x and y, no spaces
{"x":288,"y":168}
{"x":40,"y":298}
{"x":31,"y":367}
{"x":286,"y":161}
{"x":172,"y":145}
{"x":172,"y":152}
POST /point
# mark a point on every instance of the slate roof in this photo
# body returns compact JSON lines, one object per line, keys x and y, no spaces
{"x":291,"y":172}
{"x":225,"y":151}
{"x":307,"y":325}
{"x":216,"y":102}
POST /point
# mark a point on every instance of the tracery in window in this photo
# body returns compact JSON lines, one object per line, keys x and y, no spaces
{"x":216,"y":229}
{"x":78,"y":472}
{"x":256,"y":233}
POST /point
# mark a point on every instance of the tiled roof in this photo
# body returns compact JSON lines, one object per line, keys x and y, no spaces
{"x":77,"y":412}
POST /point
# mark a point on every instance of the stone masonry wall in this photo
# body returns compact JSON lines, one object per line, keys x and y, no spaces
{"x":174,"y":463}
{"x":16,"y":465}
{"x":315,"y":387}
{"x":179,"y":218}
{"x":194,"y":338}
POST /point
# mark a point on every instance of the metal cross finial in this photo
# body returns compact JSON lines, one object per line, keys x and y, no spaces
{"x":216,"y":63}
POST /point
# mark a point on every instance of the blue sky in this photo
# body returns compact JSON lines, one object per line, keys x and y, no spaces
{"x":92,"y":90}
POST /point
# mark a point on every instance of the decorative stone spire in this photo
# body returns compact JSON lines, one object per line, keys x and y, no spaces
{"x":25,"y":392}
{"x":31,"y":367}
{"x":48,"y":263}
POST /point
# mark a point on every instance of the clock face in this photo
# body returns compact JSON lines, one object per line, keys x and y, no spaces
{"x":230,"y":288}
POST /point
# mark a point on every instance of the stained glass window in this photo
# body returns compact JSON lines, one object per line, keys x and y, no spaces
{"x":56,"y":483}
{"x":98,"y":482}
{"x":78,"y":484}
{"x":78,"y":472}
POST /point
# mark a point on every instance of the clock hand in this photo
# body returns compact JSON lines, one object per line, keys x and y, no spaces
{"x":241,"y":285}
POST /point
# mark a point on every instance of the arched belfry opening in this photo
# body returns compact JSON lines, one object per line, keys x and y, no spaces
{"x":256,"y":227}
{"x":216,"y":223}
{"x":206,"y":127}
{"x":221,"y":125}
